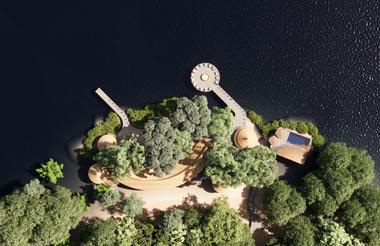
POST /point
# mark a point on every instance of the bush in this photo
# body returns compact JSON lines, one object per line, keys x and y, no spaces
{"x":101,"y":188}
{"x":302,"y":127}
{"x":110,"y":125}
{"x":319,"y":140}
{"x":51,"y":171}
{"x":256,"y":119}
{"x":163,"y":108}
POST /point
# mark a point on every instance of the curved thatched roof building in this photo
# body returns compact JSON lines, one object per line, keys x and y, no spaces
{"x":98,"y":174}
{"x":106,"y":142}
{"x":245,"y":138}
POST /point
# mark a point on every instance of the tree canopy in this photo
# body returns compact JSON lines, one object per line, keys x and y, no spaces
{"x":361,"y":215}
{"x":112,"y":232}
{"x":283,"y":202}
{"x":108,"y":198}
{"x":51,"y":171}
{"x":192,"y":116}
{"x":221,"y":125}
{"x":133,"y":205}
{"x":299,"y":231}
{"x":35,"y":215}
{"x":331,"y":233}
{"x":123,"y":159}
{"x":224,"y":226}
{"x":229,"y":166}
{"x":341,"y":171}
{"x":164,"y":147}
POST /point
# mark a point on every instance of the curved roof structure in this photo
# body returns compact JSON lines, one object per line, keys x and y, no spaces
{"x":99,"y":175}
{"x":106,"y":142}
{"x":245,"y":138}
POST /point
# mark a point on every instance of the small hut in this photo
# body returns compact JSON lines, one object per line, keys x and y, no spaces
{"x":106,"y":142}
{"x":245,"y":138}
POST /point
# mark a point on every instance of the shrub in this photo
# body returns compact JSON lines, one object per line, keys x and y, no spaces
{"x":110,"y":125}
{"x":51,"y":171}
{"x":163,"y":108}
{"x":302,"y":127}
{"x":256,"y":119}
{"x":319,"y":140}
{"x":101,"y":188}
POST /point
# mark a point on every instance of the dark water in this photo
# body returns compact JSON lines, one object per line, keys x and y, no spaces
{"x":318,"y":60}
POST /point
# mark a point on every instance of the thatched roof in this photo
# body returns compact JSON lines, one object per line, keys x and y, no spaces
{"x":245,"y":138}
{"x":98,"y":174}
{"x":106,"y":142}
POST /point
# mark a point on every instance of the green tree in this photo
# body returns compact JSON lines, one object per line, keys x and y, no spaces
{"x":192,"y":116}
{"x":144,"y":234}
{"x":183,"y":141}
{"x":35,"y":215}
{"x":173,"y":230}
{"x":223,"y":226}
{"x":361,"y":215}
{"x":341,"y":171}
{"x":229,"y":166}
{"x":111,"y":232}
{"x":34,"y":188}
{"x":109,"y":198}
{"x":124,"y":159}
{"x":51,"y":171}
{"x":162,"y":153}
{"x":283,"y":202}
{"x":299,"y":231}
{"x":332,"y":234}
{"x":133,"y":205}
{"x":221,"y":125}
{"x":313,"y":189}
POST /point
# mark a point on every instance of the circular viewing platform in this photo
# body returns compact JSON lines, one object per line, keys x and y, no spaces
{"x":205,"y":76}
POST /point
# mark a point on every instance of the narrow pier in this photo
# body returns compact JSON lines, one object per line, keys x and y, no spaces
{"x":114,"y":107}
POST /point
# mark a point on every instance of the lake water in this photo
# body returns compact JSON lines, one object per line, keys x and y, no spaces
{"x":316,"y":60}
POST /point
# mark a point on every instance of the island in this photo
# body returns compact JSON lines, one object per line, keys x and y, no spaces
{"x":180,"y":172}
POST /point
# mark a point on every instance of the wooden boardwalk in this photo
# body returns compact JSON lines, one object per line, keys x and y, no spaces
{"x":114,"y":107}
